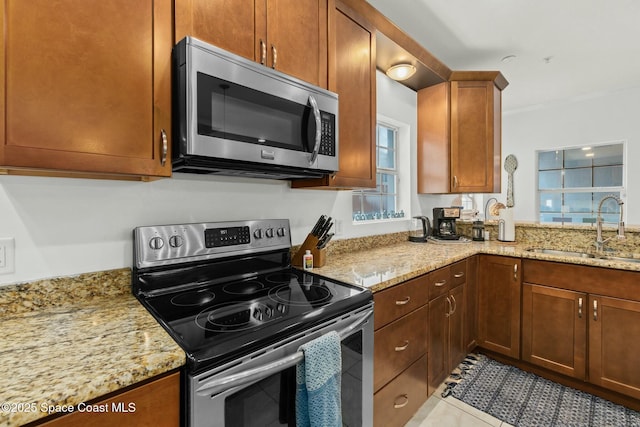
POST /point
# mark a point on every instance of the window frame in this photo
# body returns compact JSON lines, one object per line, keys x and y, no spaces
{"x":564,"y":216}
{"x":394,"y":172}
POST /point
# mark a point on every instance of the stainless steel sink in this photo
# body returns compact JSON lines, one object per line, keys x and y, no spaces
{"x":583,"y":255}
{"x":561,"y":253}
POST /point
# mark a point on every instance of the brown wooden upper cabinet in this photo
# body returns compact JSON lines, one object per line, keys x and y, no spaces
{"x":353,"y":77}
{"x":86,"y":88}
{"x":459,"y":134}
{"x":288,"y":35}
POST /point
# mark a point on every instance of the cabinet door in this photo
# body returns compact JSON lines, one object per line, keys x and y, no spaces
{"x":88,"y":87}
{"x":439,"y":309}
{"x":614,"y":344}
{"x":434,"y":157}
{"x":229,"y":24}
{"x":353,"y":77}
{"x":499,"y":304}
{"x":475,"y":137}
{"x":297,"y":37}
{"x":457,"y":344}
{"x":554,"y":329}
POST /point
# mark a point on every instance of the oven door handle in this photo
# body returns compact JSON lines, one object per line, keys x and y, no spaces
{"x":219,"y":385}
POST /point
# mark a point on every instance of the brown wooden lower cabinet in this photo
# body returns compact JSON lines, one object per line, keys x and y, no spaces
{"x":614,"y":344}
{"x":570,"y":312}
{"x":499,"y":293}
{"x":399,"y":400}
{"x":154,"y":404}
{"x":554,"y":329}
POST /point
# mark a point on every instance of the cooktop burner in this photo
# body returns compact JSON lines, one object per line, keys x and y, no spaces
{"x":243,"y":288}
{"x":223,"y":297}
{"x":193,"y":298}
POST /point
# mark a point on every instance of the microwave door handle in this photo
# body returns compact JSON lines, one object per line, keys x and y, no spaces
{"x":316,"y":114}
{"x":228,"y":382}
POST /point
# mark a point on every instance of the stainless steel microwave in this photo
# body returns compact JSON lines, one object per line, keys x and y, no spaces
{"x":237,"y":117}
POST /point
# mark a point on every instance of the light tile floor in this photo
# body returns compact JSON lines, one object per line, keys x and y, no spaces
{"x":450,"y":412}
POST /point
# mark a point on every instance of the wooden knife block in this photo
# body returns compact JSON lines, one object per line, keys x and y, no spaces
{"x":319,"y":255}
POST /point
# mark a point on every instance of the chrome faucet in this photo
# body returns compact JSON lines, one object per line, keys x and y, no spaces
{"x":599,"y":241}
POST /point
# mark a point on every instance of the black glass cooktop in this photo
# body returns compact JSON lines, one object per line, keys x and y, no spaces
{"x":214,"y":322}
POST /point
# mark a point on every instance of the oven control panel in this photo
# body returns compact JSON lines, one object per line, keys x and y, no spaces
{"x":178,"y":243}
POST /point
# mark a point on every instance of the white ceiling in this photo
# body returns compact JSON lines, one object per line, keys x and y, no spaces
{"x":564,"y":49}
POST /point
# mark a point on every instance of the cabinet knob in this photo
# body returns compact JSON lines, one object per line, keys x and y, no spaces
{"x":263,"y":52}
{"x":580,"y":308}
{"x":402,"y":347}
{"x":404,"y":301}
{"x":401,"y":401}
{"x":164,"y":147}
{"x":274,"y":54}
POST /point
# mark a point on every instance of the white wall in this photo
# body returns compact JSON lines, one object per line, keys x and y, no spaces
{"x":65,"y":226}
{"x":589,"y":120}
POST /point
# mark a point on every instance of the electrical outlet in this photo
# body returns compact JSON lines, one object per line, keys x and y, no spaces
{"x":7,"y":255}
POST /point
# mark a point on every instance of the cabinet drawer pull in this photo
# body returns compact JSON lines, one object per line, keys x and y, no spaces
{"x":164,"y":147}
{"x":263,"y":52}
{"x":403,"y":347}
{"x":404,"y":403}
{"x":515,"y":271}
{"x":580,"y":308}
{"x":274,"y":54}
{"x":404,"y":301}
{"x":595,"y":309}
{"x":455,"y":181}
{"x":459,"y":275}
{"x":440,"y":284}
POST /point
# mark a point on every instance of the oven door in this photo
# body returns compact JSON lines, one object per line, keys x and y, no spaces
{"x":259,"y":389}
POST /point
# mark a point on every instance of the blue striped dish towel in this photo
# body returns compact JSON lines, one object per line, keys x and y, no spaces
{"x":318,"y":387}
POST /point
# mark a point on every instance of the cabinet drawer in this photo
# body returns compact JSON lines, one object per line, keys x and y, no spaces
{"x":398,"y":345}
{"x":396,"y":403}
{"x":458,"y":273}
{"x":395,"y":302}
{"x":439,"y":282}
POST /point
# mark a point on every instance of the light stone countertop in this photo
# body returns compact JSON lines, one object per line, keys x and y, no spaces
{"x":384,"y":266}
{"x":71,"y":340}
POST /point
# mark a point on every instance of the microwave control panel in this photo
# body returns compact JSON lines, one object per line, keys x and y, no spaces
{"x":328,"y":138}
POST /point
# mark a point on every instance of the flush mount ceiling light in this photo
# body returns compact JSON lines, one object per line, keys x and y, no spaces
{"x":401,"y":71}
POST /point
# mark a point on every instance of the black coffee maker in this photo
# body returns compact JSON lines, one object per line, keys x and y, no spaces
{"x":444,"y":223}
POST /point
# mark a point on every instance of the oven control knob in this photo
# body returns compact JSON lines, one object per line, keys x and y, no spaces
{"x":281,"y":307}
{"x":176,"y":241}
{"x":156,"y":243}
{"x":269,"y":233}
{"x":257,"y":314}
{"x":258,"y":233}
{"x":268,"y":310}
{"x":281,"y":232}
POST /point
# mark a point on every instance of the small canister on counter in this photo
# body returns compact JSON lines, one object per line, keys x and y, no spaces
{"x":478,"y":231}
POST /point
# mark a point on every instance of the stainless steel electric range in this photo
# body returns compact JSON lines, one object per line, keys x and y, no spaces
{"x":227,"y":293}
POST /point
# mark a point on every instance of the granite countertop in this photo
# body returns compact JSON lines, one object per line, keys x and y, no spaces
{"x":385,"y":266}
{"x":70,"y":340}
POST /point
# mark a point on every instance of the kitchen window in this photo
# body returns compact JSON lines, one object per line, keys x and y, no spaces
{"x":572,"y":181}
{"x":383,"y":202}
